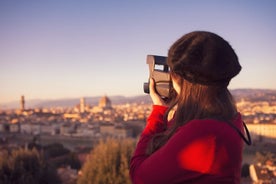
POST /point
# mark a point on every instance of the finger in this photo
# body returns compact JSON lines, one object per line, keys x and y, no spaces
{"x":156,"y":99}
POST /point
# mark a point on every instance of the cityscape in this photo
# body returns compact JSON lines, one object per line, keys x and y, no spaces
{"x":81,"y":126}
{"x":71,"y":108}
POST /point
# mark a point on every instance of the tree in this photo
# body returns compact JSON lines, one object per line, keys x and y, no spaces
{"x":108,"y":163}
{"x":59,"y":156}
{"x":25,"y":167}
{"x":55,"y":150}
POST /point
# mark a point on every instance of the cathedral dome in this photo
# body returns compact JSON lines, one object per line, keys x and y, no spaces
{"x":105,"y":102}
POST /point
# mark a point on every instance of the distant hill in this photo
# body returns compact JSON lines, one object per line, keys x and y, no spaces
{"x":71,"y":102}
{"x":246,"y":94}
{"x":254,"y":94}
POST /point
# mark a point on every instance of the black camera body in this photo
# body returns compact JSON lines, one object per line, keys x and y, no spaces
{"x":159,"y":71}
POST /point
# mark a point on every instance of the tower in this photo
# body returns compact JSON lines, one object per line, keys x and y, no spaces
{"x":82,"y":105}
{"x":22,"y":103}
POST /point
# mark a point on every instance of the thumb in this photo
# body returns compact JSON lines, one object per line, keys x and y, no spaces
{"x":152,"y":87}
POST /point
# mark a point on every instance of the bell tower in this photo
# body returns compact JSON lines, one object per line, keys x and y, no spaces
{"x":82,"y":105}
{"x":22,"y":103}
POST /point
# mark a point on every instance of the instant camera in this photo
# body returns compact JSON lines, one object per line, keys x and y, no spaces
{"x":159,"y":71}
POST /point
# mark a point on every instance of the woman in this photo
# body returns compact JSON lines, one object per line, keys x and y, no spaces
{"x":202,"y":143}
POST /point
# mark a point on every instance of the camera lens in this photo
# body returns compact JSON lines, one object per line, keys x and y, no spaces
{"x":146,"y":87}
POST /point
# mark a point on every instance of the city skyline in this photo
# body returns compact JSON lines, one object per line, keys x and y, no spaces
{"x":70,"y":49}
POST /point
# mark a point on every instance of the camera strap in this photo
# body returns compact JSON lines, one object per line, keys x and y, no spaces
{"x":248,"y":140}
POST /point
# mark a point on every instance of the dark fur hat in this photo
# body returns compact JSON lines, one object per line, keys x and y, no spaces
{"x":205,"y":58}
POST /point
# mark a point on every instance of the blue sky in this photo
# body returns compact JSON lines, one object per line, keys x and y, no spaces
{"x":75,"y":48}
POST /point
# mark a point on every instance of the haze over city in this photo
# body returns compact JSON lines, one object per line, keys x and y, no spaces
{"x":62,"y":49}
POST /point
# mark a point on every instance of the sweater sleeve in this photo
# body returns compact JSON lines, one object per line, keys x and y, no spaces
{"x":155,"y":124}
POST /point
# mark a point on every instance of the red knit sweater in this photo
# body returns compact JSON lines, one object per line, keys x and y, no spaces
{"x":201,"y":151}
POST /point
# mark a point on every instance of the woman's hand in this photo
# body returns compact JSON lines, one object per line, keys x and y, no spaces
{"x":156,"y":99}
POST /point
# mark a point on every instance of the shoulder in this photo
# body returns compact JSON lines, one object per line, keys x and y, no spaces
{"x":212,"y":123}
{"x":202,"y":125}
{"x":203,"y":128}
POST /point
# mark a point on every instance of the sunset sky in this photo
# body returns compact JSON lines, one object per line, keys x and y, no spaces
{"x":76,"y":48}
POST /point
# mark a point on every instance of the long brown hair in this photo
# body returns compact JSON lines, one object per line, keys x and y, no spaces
{"x":196,"y":101}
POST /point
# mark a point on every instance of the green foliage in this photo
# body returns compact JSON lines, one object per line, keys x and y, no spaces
{"x":59,"y":156}
{"x":108,"y":163}
{"x":25,"y":167}
{"x":73,"y":161}
{"x":55,"y":150}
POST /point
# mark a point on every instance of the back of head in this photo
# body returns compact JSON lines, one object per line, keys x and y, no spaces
{"x":204,"y":58}
{"x":203,"y":64}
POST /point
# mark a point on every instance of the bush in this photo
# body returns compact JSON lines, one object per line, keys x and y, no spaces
{"x":108,"y":163}
{"x":25,"y":167}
